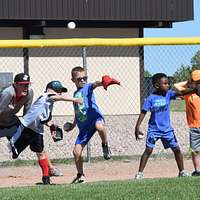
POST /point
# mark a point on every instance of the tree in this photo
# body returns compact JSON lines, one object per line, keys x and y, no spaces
{"x":182,"y":73}
{"x":195,"y":61}
{"x":147,"y":74}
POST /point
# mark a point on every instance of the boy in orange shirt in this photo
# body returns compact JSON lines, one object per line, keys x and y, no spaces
{"x":192,"y":102}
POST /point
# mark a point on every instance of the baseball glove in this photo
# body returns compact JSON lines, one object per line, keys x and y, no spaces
{"x":56,"y":133}
{"x":107,"y":80}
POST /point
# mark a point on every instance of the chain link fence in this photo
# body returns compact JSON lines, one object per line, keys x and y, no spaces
{"x":133,"y":66}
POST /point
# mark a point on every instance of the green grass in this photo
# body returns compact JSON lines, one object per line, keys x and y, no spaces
{"x":165,"y":189}
{"x":178,"y":105}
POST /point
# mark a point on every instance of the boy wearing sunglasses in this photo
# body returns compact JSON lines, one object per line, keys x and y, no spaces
{"x":88,"y":117}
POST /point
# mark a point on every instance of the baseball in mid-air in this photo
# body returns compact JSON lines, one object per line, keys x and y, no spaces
{"x":71,"y":25}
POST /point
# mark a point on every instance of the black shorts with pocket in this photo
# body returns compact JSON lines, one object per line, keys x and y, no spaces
{"x":30,"y":138}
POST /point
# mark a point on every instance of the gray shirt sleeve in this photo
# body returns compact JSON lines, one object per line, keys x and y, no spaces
{"x":5,"y":99}
{"x":29,"y":101}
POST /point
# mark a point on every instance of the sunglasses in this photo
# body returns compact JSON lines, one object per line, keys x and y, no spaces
{"x":82,"y":78}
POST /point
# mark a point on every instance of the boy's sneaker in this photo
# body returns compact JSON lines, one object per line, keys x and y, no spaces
{"x":55,"y":172}
{"x":80,"y":178}
{"x":139,"y":176}
{"x":196,"y":173}
{"x":106,"y":152}
{"x":46,"y":180}
{"x":183,"y":173}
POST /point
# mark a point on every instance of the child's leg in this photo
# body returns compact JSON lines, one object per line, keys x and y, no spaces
{"x":179,"y":158}
{"x":43,"y":162}
{"x":77,"y":152}
{"x":144,"y":158}
{"x":143,"y":161}
{"x":100,"y":127}
{"x":196,"y":160}
{"x":52,"y":170}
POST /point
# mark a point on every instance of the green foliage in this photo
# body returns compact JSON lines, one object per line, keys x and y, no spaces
{"x":195,"y":61}
{"x":177,"y":105}
{"x":147,"y":74}
{"x":174,"y":188}
{"x":183,"y":73}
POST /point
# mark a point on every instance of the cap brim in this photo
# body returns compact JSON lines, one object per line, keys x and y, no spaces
{"x":23,"y":82}
{"x":64,"y":89}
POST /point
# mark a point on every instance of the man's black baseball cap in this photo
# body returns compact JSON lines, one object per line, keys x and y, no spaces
{"x":22,"y":78}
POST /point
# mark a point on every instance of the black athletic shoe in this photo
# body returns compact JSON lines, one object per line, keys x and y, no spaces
{"x":14,"y":153}
{"x":196,"y":173}
{"x":106,"y":152}
{"x":46,"y":180}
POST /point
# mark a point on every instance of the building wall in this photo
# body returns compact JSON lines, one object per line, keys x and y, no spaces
{"x":56,"y":63}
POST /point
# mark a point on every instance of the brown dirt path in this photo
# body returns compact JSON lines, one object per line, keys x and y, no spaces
{"x":98,"y":171}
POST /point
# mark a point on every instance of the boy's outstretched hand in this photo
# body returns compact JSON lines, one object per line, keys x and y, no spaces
{"x":107,"y":80}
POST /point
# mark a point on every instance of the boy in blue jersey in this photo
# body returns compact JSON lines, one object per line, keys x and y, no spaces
{"x":88,"y":118}
{"x":159,"y":126}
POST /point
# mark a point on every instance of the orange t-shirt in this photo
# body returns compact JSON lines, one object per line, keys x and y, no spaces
{"x":192,"y":102}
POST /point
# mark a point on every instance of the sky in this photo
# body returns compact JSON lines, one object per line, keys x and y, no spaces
{"x":170,"y":58}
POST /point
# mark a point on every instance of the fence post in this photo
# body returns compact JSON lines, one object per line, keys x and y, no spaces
{"x":84,"y":56}
{"x":26,"y":52}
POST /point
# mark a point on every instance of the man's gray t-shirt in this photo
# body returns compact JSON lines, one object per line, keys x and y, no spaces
{"x":9,"y":107}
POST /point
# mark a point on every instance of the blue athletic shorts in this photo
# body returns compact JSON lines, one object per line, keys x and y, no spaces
{"x":87,"y":132}
{"x":168,"y":139}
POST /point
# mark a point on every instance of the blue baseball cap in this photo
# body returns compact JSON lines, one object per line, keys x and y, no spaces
{"x":56,"y":86}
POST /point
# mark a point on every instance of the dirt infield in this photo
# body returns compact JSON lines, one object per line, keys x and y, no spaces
{"x":98,"y":171}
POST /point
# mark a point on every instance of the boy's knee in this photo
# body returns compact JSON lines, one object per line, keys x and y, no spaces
{"x":77,"y":152}
{"x":148,"y":151}
{"x":195,"y":153}
{"x":41,"y":155}
{"x":176,"y":150}
{"x":100,"y":127}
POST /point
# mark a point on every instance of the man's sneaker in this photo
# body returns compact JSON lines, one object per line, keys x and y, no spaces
{"x":80,"y":178}
{"x":139,"y":176}
{"x":55,"y":172}
{"x":106,"y":152}
{"x":12,"y":149}
{"x":14,"y":153}
{"x":196,"y":173}
{"x":46,"y":180}
{"x":183,"y":173}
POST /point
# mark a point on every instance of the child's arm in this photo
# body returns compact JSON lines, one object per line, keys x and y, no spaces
{"x":66,"y":98}
{"x":106,"y":81}
{"x":182,"y":88}
{"x":97,"y":84}
{"x":137,"y":127}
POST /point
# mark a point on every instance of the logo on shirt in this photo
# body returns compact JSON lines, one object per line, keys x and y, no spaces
{"x":80,"y":109}
{"x":159,"y":105}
